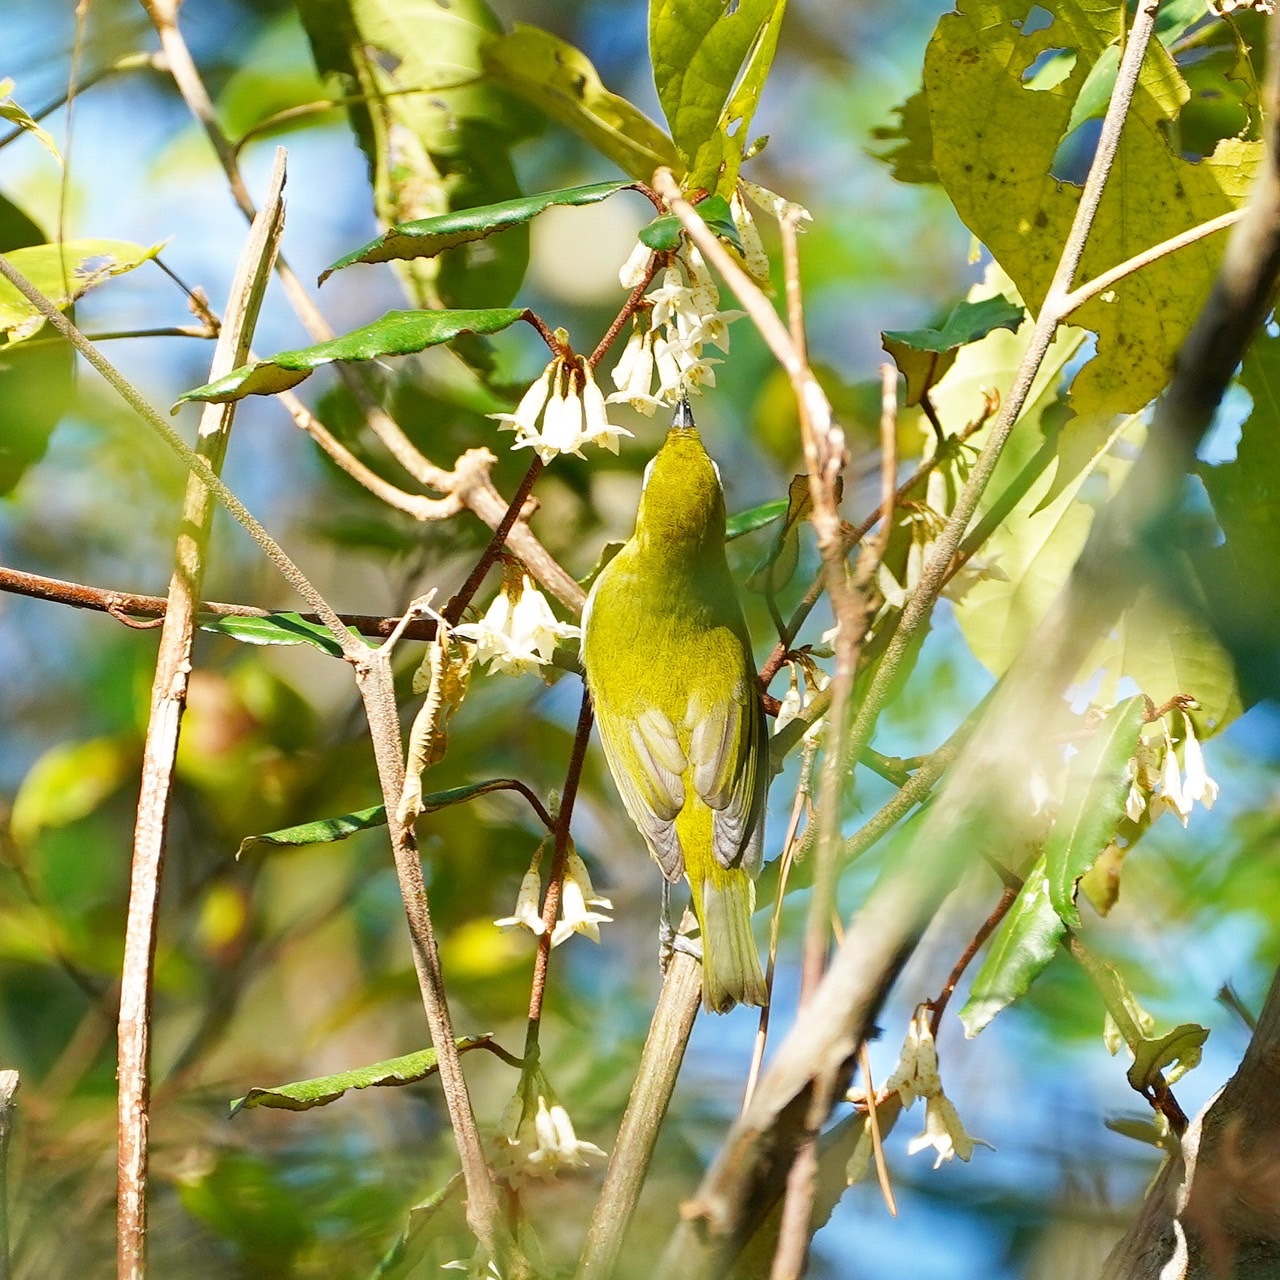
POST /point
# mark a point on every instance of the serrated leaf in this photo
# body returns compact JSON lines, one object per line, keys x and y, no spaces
{"x":429,"y":236}
{"x":994,"y":144}
{"x":279,"y":628}
{"x":302,"y":1095}
{"x":398,"y":333}
{"x":924,"y":356}
{"x":63,"y":272}
{"x":1023,"y":945}
{"x":1093,"y":804}
{"x":560,"y":80}
{"x":755,"y":518}
{"x":699,"y":48}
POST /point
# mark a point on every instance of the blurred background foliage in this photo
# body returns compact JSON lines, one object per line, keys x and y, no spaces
{"x":289,"y":964}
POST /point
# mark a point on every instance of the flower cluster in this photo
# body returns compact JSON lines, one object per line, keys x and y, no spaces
{"x":518,"y":632}
{"x":572,"y":409}
{"x":685,"y":317}
{"x":578,"y":902}
{"x":1158,"y":785}
{"x":916,"y":1076}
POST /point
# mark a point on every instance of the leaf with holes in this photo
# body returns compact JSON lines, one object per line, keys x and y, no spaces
{"x":700,"y":50}
{"x":398,"y":333}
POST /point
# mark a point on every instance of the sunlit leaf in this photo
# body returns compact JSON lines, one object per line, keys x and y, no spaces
{"x":1174,"y":1055}
{"x":663,"y":234}
{"x":1093,"y":804}
{"x":302,"y":1095}
{"x":321,"y":831}
{"x":63,"y":272}
{"x":994,"y":144}
{"x":279,"y":628}
{"x":14,"y":114}
{"x":430,"y":236}
{"x":699,"y":48}
{"x":560,"y":80}
{"x":1023,"y":945}
{"x":398,"y":333}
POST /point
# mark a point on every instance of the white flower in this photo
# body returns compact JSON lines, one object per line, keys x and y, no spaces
{"x":916,"y":1075}
{"x":577,"y":897}
{"x":525,"y":419}
{"x":633,"y":374}
{"x":597,"y":429}
{"x":518,"y":632}
{"x":1172,"y":796}
{"x":944,"y":1132}
{"x":637,"y":263}
{"x":754,"y":257}
{"x":1044,"y":800}
{"x":528,"y":910}
{"x":572,"y":410}
{"x":546,"y":1142}
{"x":478,"y":1267}
{"x":1135,"y":804}
{"x":672,"y":299}
{"x":1197,"y":784}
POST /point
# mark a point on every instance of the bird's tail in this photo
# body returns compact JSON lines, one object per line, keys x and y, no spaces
{"x":723,"y":901}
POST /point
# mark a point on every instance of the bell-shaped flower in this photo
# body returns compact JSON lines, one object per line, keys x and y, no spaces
{"x":528,"y":912}
{"x":633,"y":374}
{"x":596,"y":427}
{"x":577,"y":900}
{"x":1172,"y":796}
{"x":916,"y":1075}
{"x":672,"y":299}
{"x":754,"y":258}
{"x":637,"y":263}
{"x":557,"y":1146}
{"x":1197,"y":785}
{"x":525,"y":419}
{"x":518,"y":632}
{"x":944,"y":1132}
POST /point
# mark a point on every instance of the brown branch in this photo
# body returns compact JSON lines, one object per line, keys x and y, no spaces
{"x":938,"y":1006}
{"x":168,"y":700}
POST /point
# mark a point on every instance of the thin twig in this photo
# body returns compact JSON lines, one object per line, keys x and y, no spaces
{"x":938,"y":1006}
{"x":9,"y":1081}
{"x":168,"y":700}
{"x":873,"y":1125}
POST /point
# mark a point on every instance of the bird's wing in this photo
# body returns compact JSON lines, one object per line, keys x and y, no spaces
{"x":728,"y":747}
{"x":646,"y":761}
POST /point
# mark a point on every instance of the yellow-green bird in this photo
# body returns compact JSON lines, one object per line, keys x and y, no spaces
{"x":669,"y":666}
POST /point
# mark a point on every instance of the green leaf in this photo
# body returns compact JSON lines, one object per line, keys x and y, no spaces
{"x":1023,"y":945}
{"x":437,"y":131}
{"x":779,"y":564}
{"x":398,"y":333}
{"x":68,"y":782}
{"x":923,"y":356}
{"x":430,"y":236}
{"x":994,"y":144}
{"x":1181,"y":1046}
{"x":755,"y":518}
{"x":279,"y":628}
{"x":663,"y":234}
{"x":329,"y":830}
{"x":14,"y":114}
{"x":699,"y":48}
{"x":321,"y":831}
{"x":1097,"y":786}
{"x":63,"y":272}
{"x":561,"y":81}
{"x":302,"y":1095}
